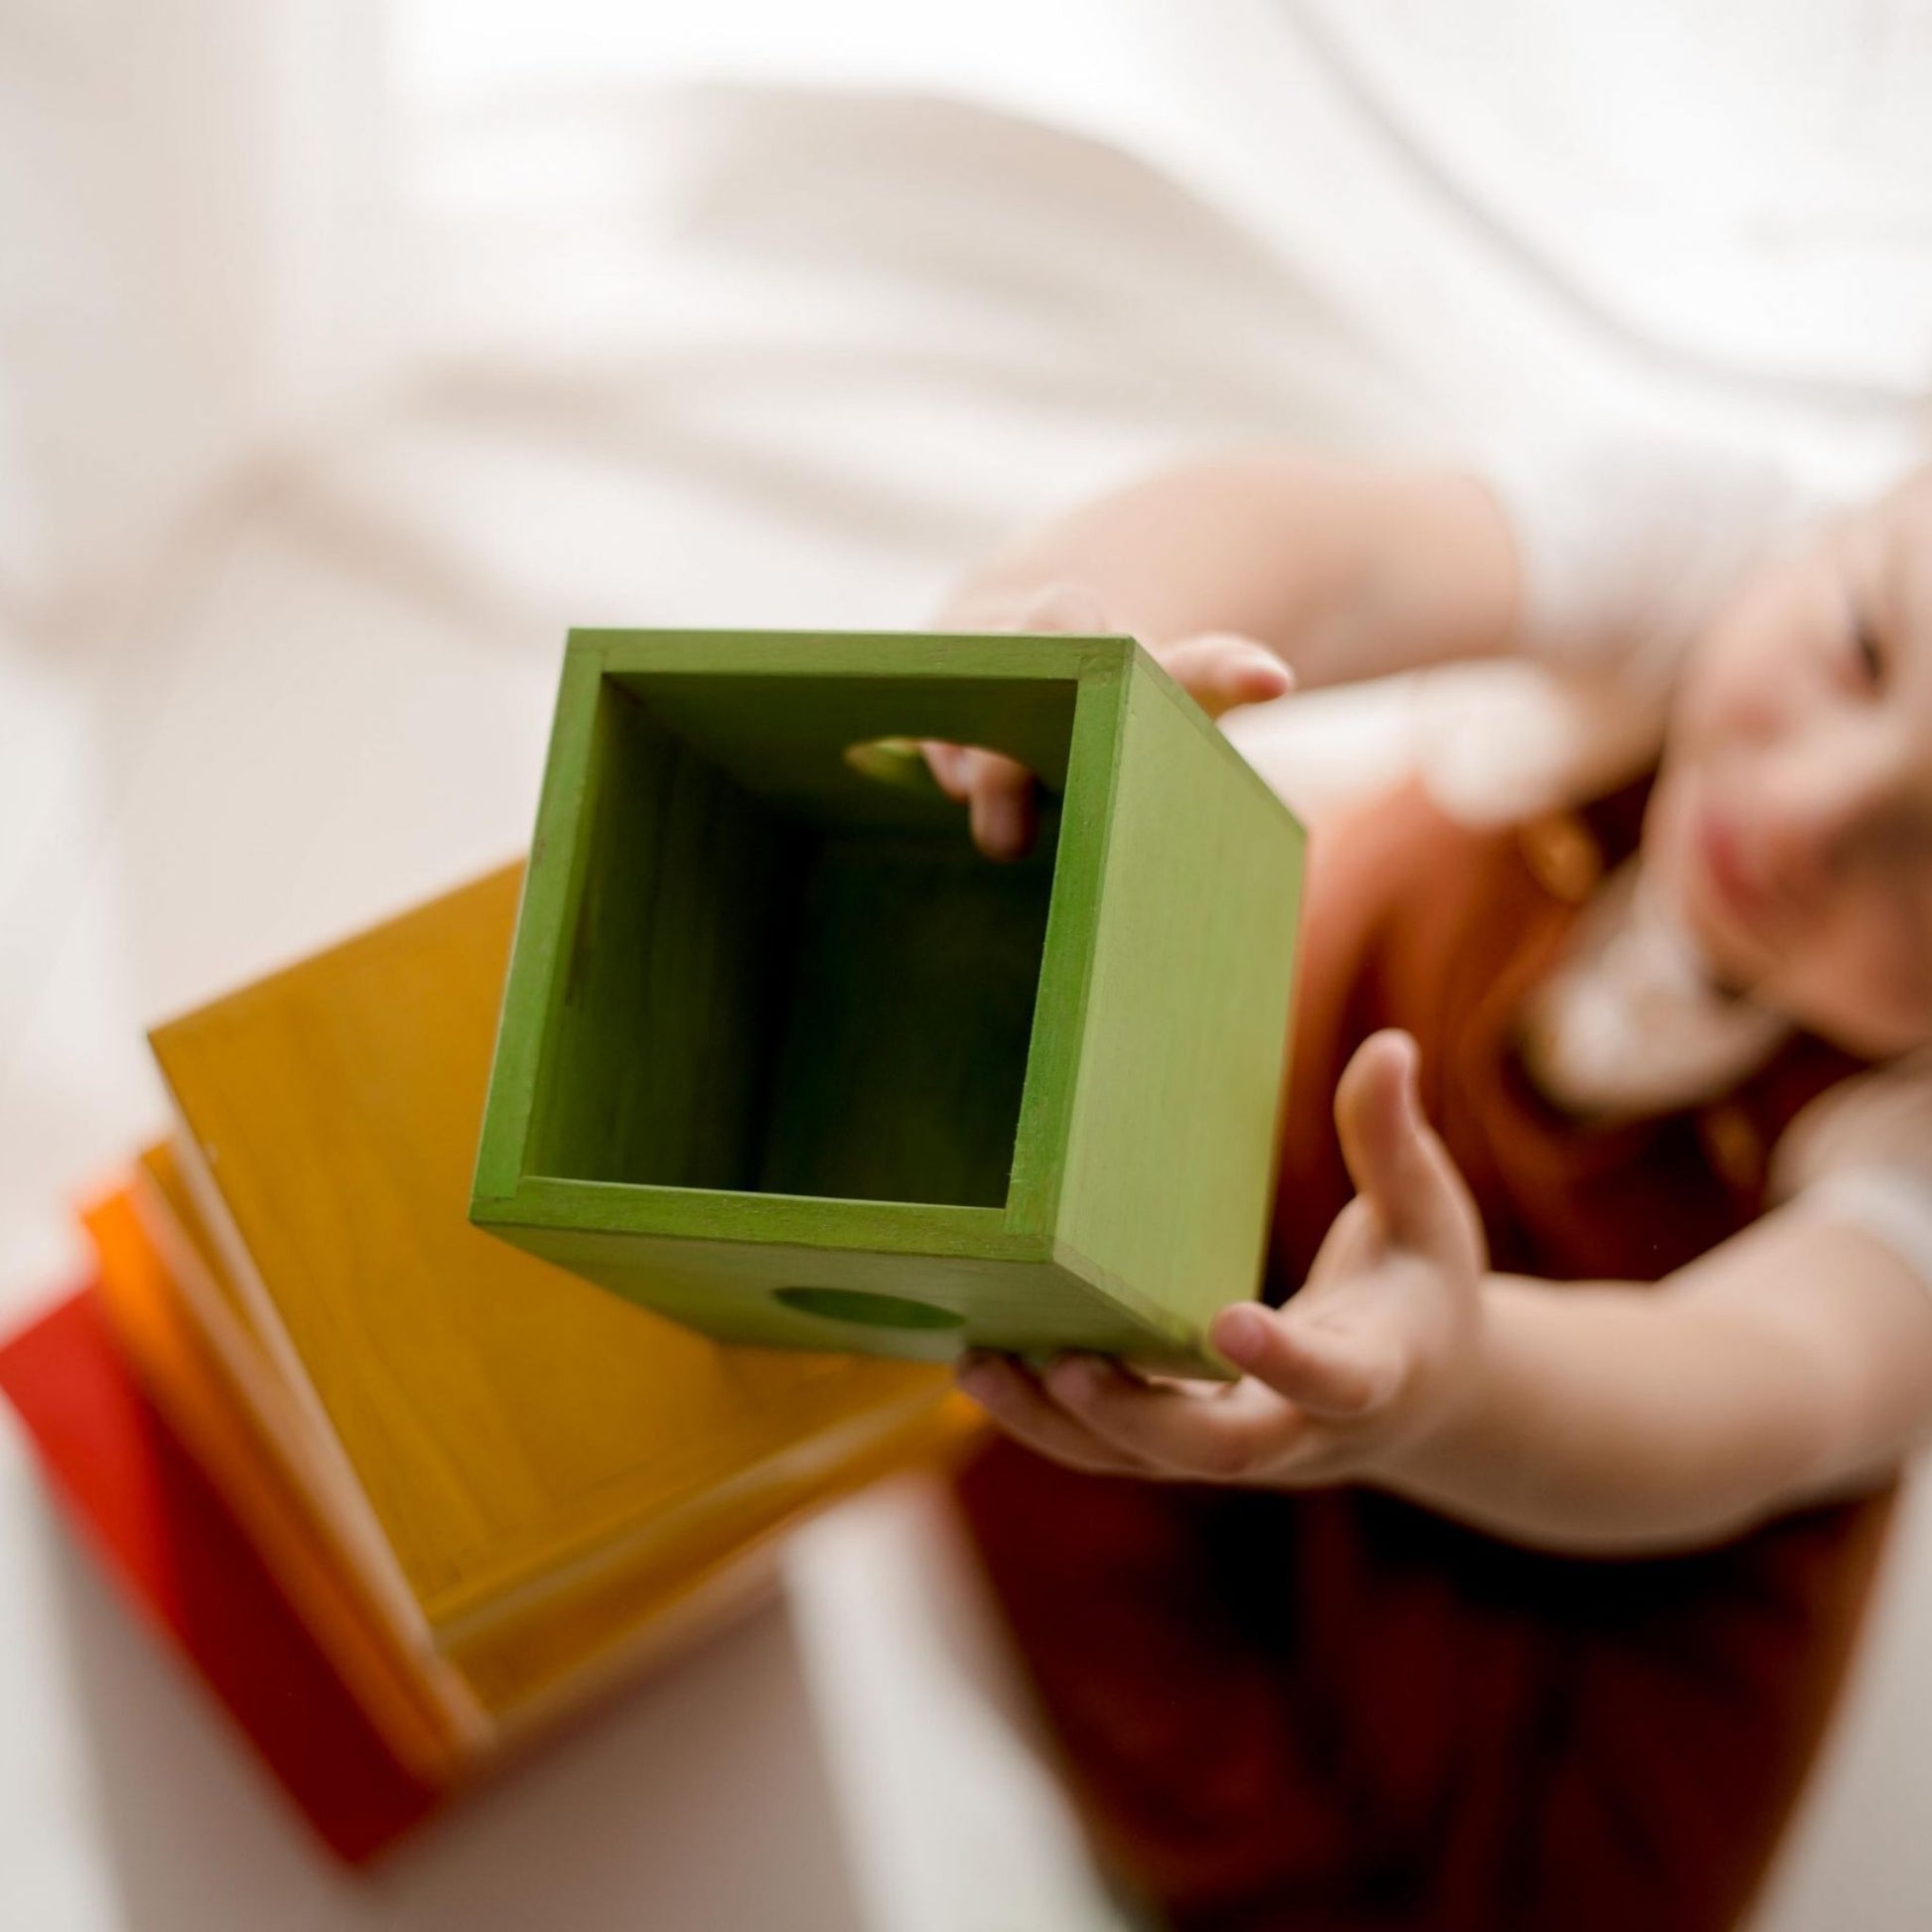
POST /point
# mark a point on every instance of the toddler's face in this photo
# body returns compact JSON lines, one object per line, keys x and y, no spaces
{"x":1792,"y":821}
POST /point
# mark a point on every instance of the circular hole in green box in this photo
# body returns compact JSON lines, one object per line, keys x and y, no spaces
{"x":873,"y":1311}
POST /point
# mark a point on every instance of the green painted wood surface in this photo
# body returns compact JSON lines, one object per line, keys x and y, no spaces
{"x":1167,"y":1176}
{"x":675,"y":992}
{"x":903,"y":1050}
{"x":776,"y":1035}
{"x":730,"y":1290}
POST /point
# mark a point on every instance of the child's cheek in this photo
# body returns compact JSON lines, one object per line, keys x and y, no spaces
{"x":1745,"y":686}
{"x":1765,"y":657}
{"x":1867,"y":1003}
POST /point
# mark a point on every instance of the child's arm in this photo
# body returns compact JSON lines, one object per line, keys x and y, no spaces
{"x":1791,"y":1364}
{"x":1345,"y":571}
{"x":1236,"y":571}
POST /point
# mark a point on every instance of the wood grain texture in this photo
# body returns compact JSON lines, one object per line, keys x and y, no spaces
{"x":431,"y":1732}
{"x":185,"y":1249}
{"x":900,"y":1068}
{"x":1170,"y":1158}
{"x":511,"y":1428}
{"x":680,"y":958}
{"x":495,"y":1678}
{"x":776,"y":1038}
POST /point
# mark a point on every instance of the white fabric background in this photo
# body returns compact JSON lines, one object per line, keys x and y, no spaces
{"x":348,"y":351}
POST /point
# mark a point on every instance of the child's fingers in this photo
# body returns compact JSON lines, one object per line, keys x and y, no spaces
{"x":947,"y":764}
{"x":997,"y":791}
{"x":1219,"y":669}
{"x":1330,"y":1372}
{"x":1225,"y":1434}
{"x":1222,"y":669}
{"x":1000,"y":805}
{"x":1022,"y":1409}
{"x":1395,"y":1158}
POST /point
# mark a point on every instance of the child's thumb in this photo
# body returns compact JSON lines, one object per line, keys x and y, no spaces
{"x":1396,"y":1161}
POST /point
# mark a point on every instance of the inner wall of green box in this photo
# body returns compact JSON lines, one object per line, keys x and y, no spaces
{"x":821,"y":992}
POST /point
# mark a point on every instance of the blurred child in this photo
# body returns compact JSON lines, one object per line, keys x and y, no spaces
{"x":1603,"y":1231}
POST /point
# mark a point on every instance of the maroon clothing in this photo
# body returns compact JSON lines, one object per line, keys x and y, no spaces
{"x":1337,"y":1710}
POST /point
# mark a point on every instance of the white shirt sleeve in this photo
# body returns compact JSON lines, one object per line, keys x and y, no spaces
{"x":1862,"y":1154}
{"x":1626,"y":547}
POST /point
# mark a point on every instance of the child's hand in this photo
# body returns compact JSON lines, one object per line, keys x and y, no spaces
{"x":1218,"y":670}
{"x":1349,"y":1381}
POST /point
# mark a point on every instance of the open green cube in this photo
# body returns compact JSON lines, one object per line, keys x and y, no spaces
{"x":784,"y":1057}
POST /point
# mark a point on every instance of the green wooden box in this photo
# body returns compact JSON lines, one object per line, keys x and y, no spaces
{"x":784,"y":1057}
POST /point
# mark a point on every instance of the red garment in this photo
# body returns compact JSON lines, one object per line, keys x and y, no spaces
{"x":1338,"y":1710}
